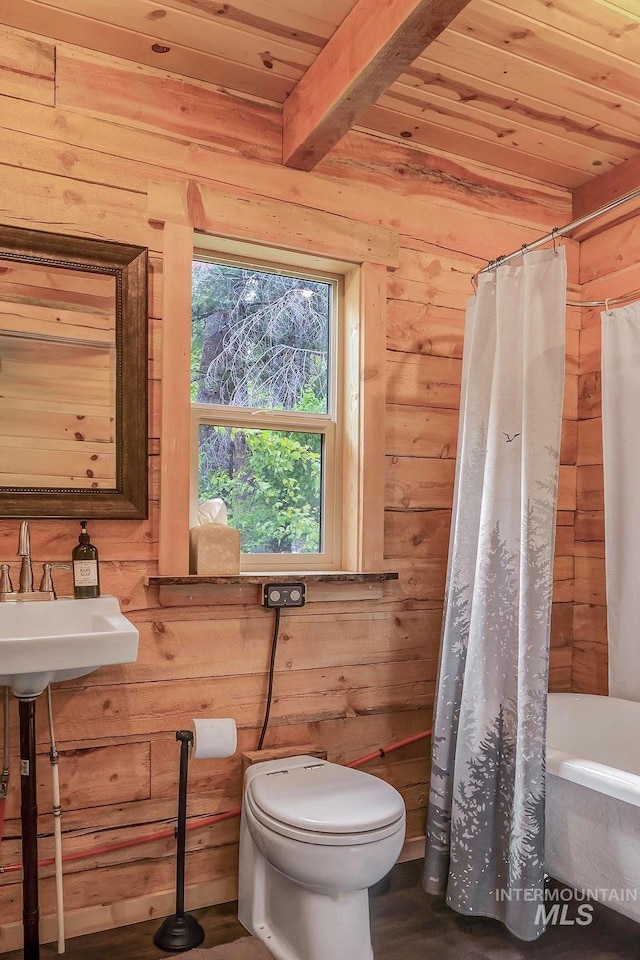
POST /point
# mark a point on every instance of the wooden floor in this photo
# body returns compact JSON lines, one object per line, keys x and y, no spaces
{"x":406,"y":925}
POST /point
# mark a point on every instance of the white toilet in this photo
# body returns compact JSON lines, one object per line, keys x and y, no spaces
{"x":313,"y":837}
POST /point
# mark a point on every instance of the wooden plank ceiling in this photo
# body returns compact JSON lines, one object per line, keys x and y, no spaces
{"x":545,"y":88}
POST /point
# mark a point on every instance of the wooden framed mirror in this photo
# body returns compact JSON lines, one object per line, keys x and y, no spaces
{"x":73,"y":377}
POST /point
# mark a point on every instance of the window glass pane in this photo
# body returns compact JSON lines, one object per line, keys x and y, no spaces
{"x":270,"y":481}
{"x":259,"y":339}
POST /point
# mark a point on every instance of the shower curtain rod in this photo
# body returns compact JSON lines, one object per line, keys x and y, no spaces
{"x":560,"y":231}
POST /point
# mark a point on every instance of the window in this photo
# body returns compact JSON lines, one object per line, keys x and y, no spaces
{"x":266,"y":407}
{"x":311,"y":245}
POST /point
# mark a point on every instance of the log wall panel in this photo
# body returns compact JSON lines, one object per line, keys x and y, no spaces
{"x":63,"y":204}
{"x":620,"y":282}
{"x":27,"y":68}
{"x":563,"y":579}
{"x":590,"y":525}
{"x":435,"y":179}
{"x":600,"y":258}
{"x":166,"y":105}
{"x":589,"y":395}
{"x":589,"y":348}
{"x":418,"y":581}
{"x":413,"y":483}
{"x":351,"y":676}
{"x":423,"y":381}
{"x":418,"y":432}
{"x":569,"y":442}
{"x":92,"y":777}
{"x":424,"y":328}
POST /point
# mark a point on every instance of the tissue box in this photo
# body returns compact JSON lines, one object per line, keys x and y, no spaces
{"x":214,"y":550}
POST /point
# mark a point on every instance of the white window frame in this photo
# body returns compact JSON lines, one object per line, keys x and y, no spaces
{"x":237,"y":224}
{"x":329,"y":425}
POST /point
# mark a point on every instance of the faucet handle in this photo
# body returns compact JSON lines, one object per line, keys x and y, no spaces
{"x":46,"y":584}
{"x":5,"y":578}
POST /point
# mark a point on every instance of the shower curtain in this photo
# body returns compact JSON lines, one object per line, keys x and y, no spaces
{"x":621,"y":447}
{"x":485,"y":821}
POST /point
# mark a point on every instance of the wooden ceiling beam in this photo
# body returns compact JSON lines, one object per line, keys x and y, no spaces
{"x":600,"y":191}
{"x":366,"y":54}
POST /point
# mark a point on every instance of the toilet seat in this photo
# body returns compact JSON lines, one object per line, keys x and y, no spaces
{"x":322,"y":839}
{"x":324,"y":803}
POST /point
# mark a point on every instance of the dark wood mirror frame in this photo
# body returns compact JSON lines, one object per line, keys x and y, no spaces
{"x":128,"y":265}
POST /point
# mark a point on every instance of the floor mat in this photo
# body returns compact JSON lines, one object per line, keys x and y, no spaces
{"x":247,"y":948}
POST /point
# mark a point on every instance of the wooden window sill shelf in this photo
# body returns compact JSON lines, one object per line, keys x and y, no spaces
{"x":246,"y":588}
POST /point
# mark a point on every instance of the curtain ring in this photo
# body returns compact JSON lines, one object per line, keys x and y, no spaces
{"x":607,"y":308}
{"x":554,"y":230}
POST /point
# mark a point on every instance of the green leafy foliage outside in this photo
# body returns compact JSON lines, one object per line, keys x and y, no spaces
{"x":273,"y":497}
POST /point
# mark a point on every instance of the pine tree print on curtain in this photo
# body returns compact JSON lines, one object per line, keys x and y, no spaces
{"x":485,"y":822}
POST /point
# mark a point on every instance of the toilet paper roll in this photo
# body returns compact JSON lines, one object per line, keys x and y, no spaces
{"x":213,"y":738}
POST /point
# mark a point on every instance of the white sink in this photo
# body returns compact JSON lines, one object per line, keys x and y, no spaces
{"x":46,"y":641}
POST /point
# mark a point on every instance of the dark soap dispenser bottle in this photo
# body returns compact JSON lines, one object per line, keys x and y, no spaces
{"x":86,"y":574}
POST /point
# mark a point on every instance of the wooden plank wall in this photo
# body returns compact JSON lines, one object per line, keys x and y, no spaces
{"x":609,"y":268}
{"x":82,"y":137}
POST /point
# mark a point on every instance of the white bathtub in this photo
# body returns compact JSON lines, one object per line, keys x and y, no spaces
{"x":593,"y":798}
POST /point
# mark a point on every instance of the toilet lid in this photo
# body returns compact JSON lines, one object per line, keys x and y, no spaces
{"x":327,"y":798}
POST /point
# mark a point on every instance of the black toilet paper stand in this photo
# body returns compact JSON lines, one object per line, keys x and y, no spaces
{"x":180,"y":931}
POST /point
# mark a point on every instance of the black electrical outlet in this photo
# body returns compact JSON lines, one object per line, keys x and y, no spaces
{"x":284,"y":594}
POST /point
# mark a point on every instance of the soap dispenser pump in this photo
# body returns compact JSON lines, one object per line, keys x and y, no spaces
{"x":86,"y":575}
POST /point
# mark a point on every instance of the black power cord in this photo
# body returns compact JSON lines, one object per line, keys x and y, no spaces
{"x":272,"y":663}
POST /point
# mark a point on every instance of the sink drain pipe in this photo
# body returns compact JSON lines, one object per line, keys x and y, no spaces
{"x":29,"y":824}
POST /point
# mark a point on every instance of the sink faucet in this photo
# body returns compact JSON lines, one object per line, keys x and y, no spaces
{"x":25,"y":589}
{"x":24,"y":551}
